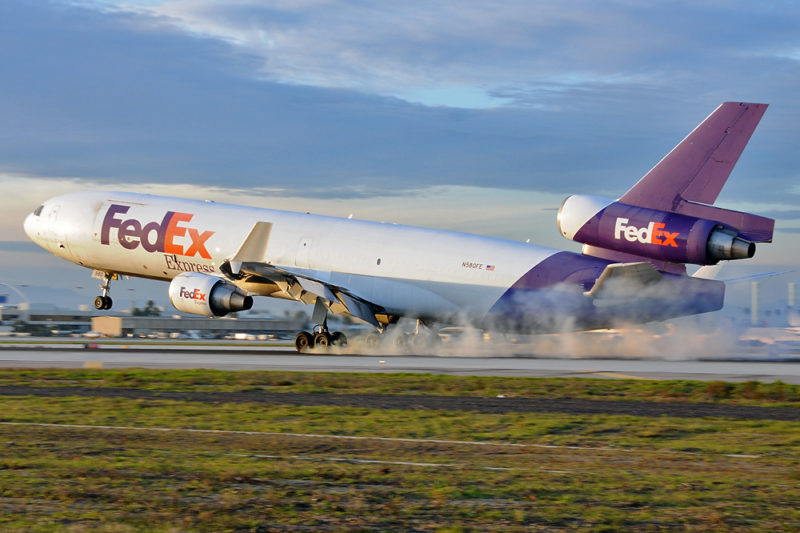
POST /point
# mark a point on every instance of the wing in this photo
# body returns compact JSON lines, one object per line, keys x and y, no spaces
{"x":249,"y":264}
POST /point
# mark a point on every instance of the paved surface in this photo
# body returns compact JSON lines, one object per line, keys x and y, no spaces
{"x":283,"y":359}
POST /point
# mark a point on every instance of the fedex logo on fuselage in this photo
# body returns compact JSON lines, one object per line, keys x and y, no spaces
{"x":155,"y":236}
{"x":192,"y":295}
{"x":653,"y":233}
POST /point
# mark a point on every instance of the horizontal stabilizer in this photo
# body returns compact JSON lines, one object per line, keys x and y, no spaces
{"x":754,"y":228}
{"x":709,"y":271}
{"x":623,"y":257}
{"x":754,"y":277}
{"x":622,"y":281}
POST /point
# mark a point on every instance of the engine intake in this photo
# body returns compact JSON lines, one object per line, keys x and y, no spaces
{"x":201,"y":294}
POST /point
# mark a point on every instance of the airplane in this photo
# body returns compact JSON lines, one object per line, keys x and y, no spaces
{"x":631,"y":269}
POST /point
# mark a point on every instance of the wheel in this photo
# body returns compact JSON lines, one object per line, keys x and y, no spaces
{"x":401,"y":342}
{"x":423,"y":342}
{"x":302,"y":341}
{"x":322,"y":339}
{"x":102,"y":303}
{"x":372,"y":341}
{"x":338,"y":339}
{"x":417,"y":344}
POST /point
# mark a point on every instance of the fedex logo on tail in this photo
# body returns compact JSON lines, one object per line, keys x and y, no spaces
{"x":653,"y":233}
{"x":155,"y":236}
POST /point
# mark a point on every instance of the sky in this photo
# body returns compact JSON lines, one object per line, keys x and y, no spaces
{"x":475,"y":116}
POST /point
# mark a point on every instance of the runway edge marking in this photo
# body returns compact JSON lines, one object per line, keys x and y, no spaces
{"x":373,"y":438}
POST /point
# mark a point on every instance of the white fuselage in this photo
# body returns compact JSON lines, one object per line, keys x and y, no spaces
{"x":410,"y":271}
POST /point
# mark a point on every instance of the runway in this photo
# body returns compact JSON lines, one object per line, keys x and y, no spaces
{"x":284,"y":359}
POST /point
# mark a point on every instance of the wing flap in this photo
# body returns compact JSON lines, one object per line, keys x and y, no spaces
{"x":307,"y":289}
{"x":316,"y":287}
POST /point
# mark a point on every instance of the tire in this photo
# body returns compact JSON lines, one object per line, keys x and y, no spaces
{"x":372,"y":341}
{"x":401,"y":342}
{"x":417,"y":344}
{"x":102,"y":303}
{"x":424,"y":343}
{"x":303,"y":341}
{"x":338,"y":339}
{"x":109,"y":302}
{"x":322,"y":340}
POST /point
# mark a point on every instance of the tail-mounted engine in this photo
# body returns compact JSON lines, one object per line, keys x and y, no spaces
{"x":201,"y":294}
{"x":650,"y":233}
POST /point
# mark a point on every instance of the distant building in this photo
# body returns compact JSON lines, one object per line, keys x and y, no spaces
{"x":46,"y":318}
{"x":115,"y":326}
{"x":43,"y":319}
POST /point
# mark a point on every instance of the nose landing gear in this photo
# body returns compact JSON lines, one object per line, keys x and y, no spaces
{"x":104,"y":302}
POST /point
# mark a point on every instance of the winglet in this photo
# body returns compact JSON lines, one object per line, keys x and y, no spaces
{"x":254,"y":247}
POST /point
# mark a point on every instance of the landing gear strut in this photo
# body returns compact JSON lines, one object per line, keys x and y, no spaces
{"x":104,"y":302}
{"x":319,"y":337}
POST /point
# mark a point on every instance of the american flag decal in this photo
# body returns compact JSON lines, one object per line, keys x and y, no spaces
{"x":490,"y":267}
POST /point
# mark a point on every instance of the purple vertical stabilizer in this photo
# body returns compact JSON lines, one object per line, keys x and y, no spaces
{"x":696,"y":169}
{"x":677,"y":194}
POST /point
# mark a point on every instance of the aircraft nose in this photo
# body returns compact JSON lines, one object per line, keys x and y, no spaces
{"x":29,"y":224}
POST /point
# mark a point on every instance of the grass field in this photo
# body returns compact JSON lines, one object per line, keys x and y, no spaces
{"x":166,"y":465}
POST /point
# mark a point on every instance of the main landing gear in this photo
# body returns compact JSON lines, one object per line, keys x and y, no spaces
{"x":422,"y":340}
{"x":101,"y":303}
{"x":319,"y":337}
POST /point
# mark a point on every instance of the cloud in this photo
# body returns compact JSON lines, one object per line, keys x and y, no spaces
{"x":783,"y":214}
{"x":416,"y":46}
{"x":313,"y":97}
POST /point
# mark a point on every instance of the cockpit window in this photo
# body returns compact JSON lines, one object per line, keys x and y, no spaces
{"x":38,"y":210}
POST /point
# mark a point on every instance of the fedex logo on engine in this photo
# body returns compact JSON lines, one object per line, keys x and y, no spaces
{"x":653,"y":233}
{"x":155,"y":236}
{"x":192,"y":295}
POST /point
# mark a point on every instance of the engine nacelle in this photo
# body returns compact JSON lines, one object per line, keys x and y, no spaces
{"x":650,"y":233}
{"x":201,"y":294}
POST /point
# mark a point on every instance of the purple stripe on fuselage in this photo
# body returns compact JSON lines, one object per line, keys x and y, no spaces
{"x":562,"y":267}
{"x":549,"y":295}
